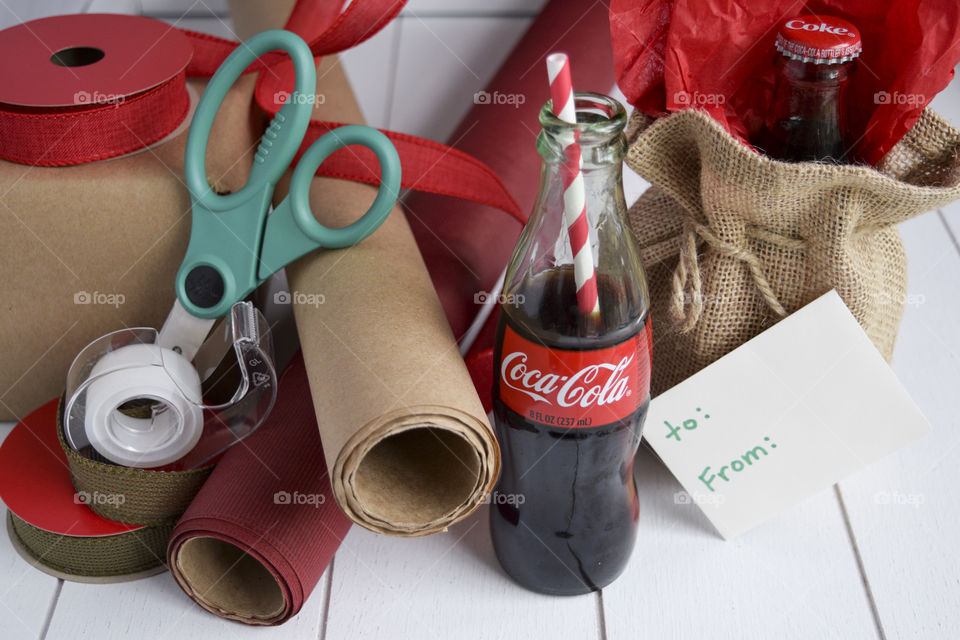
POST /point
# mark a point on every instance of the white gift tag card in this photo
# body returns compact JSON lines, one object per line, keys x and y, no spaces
{"x":782,"y":417}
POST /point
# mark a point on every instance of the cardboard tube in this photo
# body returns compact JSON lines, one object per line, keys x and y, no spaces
{"x":406,"y":439}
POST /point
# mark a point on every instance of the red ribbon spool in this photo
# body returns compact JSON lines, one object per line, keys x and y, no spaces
{"x":94,"y":90}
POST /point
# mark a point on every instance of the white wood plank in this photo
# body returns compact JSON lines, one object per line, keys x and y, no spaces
{"x":13,"y":12}
{"x":793,"y":577}
{"x":442,"y":63}
{"x":201,"y":8}
{"x":130,"y":7}
{"x":372,"y":68}
{"x":26,"y":595}
{"x":447,"y":585}
{"x":473,"y":8}
{"x":157,"y":608}
{"x":904,"y":509}
{"x":947,"y":104}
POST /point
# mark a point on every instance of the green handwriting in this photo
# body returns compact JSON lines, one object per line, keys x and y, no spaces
{"x":689,"y":424}
{"x":738,"y":465}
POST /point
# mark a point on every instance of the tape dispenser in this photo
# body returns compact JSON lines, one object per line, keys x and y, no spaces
{"x":139,"y":403}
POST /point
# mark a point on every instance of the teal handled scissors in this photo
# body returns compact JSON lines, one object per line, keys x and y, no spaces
{"x":234,"y":244}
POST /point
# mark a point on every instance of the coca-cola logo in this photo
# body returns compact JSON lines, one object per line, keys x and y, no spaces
{"x":798,"y":24}
{"x":584,"y":388}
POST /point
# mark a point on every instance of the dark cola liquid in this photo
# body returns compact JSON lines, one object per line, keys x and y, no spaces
{"x":799,"y":140}
{"x":564,"y":514}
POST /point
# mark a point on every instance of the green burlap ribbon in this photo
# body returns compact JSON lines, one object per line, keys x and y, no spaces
{"x":136,"y":496}
{"x":95,"y":556}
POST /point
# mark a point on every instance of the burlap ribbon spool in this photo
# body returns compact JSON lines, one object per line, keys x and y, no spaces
{"x":150,"y":498}
{"x":733,"y":241}
{"x":51,"y":528}
{"x":130,"y":555}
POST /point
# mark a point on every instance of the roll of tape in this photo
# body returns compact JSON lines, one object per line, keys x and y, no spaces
{"x":143,"y":372}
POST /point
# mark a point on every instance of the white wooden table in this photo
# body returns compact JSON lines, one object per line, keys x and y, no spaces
{"x":874,"y":557}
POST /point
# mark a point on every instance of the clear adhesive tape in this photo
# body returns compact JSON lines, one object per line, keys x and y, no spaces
{"x":143,"y":372}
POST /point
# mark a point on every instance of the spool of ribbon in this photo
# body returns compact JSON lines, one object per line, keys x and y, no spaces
{"x":93,"y":89}
{"x":141,"y":496}
{"x":52,"y":524}
{"x":84,"y":105}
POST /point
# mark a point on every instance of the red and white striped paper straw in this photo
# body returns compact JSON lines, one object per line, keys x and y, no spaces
{"x":574,"y":196}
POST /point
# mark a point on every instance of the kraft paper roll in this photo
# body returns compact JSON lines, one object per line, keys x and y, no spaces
{"x":50,"y":523}
{"x":264,"y":528}
{"x":406,"y":439}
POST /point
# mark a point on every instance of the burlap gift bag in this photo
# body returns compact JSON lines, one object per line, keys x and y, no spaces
{"x":733,"y":241}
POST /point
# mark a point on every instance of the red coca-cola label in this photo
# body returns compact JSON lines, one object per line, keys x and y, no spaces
{"x":574,"y":389}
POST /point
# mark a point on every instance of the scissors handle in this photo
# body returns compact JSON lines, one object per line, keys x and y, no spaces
{"x":282,"y":138}
{"x":292,"y":230}
{"x":231,"y":233}
{"x":220,"y":266}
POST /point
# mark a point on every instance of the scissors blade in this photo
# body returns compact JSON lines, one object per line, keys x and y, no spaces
{"x":212,"y":352}
{"x":184,"y":332}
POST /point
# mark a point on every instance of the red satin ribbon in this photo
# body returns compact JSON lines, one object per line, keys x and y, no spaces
{"x":338,"y":31}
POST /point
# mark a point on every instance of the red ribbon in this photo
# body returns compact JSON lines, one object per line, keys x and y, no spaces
{"x":62,"y":136}
{"x":427,"y":165}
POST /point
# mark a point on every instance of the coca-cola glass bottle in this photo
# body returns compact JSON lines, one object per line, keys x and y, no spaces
{"x":571,"y":389}
{"x":806,"y":122}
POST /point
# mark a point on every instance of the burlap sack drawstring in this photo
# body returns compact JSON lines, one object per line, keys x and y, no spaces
{"x":688,"y":284}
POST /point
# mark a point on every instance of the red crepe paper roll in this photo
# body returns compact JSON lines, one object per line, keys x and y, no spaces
{"x":265,"y":526}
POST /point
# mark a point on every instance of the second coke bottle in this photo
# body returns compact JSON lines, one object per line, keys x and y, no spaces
{"x":571,"y":389}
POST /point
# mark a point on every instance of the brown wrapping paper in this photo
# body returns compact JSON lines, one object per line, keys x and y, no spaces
{"x":93,"y":248}
{"x":406,"y":439}
{"x":250,"y":17}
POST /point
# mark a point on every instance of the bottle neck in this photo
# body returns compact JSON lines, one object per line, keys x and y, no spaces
{"x":544,"y":267}
{"x":601,"y":161}
{"x":807,"y":114}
